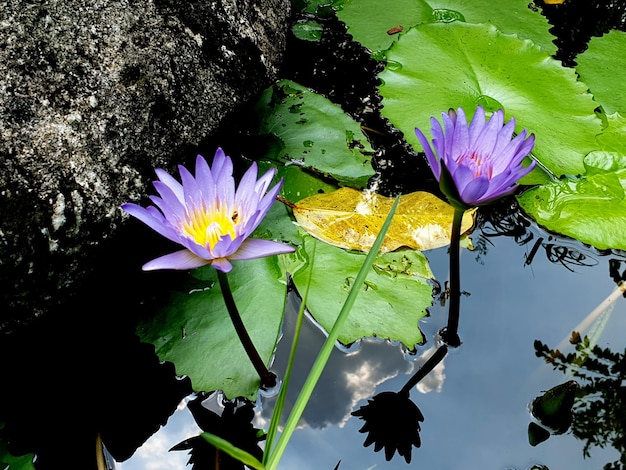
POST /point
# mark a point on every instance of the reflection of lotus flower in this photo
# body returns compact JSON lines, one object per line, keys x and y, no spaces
{"x":234,"y":425}
{"x":479,"y":163}
{"x":393,"y":422}
{"x":208,"y":217}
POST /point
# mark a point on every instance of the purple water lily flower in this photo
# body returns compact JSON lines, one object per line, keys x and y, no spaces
{"x":479,"y":163}
{"x":209,"y":217}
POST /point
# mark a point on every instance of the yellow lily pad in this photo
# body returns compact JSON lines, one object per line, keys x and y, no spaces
{"x":351,"y":219}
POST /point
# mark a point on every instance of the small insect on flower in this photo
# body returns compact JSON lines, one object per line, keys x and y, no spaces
{"x":208,"y":216}
{"x":478,"y":163}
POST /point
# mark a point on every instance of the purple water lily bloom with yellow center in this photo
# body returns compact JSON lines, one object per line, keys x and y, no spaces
{"x":209,"y":217}
{"x":479,"y":163}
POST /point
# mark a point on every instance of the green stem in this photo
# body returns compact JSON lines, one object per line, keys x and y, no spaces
{"x":327,"y":347}
{"x":450,"y":333}
{"x":282,"y":395}
{"x":268,"y":379}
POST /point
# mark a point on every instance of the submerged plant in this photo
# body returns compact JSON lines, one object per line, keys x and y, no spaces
{"x":478,"y":163}
{"x":213,"y":220}
{"x":209,"y":217}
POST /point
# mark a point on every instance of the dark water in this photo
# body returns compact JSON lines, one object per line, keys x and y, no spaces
{"x":83,"y":371}
{"x":476,"y":404}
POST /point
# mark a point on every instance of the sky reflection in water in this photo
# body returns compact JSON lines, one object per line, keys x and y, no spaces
{"x":476,"y":414}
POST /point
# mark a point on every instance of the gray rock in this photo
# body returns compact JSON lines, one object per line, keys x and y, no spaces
{"x":93,"y":95}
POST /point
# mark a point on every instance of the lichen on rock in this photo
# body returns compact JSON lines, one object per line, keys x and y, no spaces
{"x":93,"y":96}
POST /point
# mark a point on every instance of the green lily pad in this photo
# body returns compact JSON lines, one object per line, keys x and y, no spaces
{"x":316,"y":134}
{"x":396,"y":294}
{"x":279,"y":224}
{"x":510,"y":17}
{"x":368,"y":21}
{"x":307,"y":30}
{"x":591,"y":208}
{"x":300,"y":183}
{"x":194,"y":331}
{"x":442,"y":66}
{"x":603,"y":68}
{"x":372,"y":22}
{"x":12,"y":462}
{"x":613,"y":138}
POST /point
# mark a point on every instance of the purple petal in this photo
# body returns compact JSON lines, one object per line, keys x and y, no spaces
{"x":226,"y":246}
{"x":265,"y":180}
{"x":171,"y":206}
{"x":477,"y":125}
{"x":439,"y":139}
{"x":200,"y":251}
{"x":246,"y":198}
{"x":222,"y":164}
{"x":173,"y":216}
{"x":259,"y":248}
{"x":225,"y":190}
{"x":149,"y":218}
{"x":204,"y":180}
{"x":222,"y":171}
{"x":222,"y":264}
{"x":461,"y":175}
{"x":430,"y":156}
{"x":193,"y":195}
{"x":486,"y":140}
{"x":500,"y":186}
{"x":474,"y":190}
{"x":513,"y":154}
{"x":448,"y":130}
{"x":503,"y":139}
{"x":169,"y":181}
{"x":527,"y":145}
{"x":460,"y":138}
{"x":266,"y":203}
{"x":182,"y":259}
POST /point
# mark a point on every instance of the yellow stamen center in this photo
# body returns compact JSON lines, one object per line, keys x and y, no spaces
{"x":208,"y":227}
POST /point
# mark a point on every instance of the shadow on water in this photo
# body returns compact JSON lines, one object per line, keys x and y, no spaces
{"x":81,"y":371}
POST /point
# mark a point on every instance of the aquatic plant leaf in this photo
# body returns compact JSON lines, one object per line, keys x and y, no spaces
{"x":613,"y":137}
{"x":396,"y":294}
{"x":307,"y":30}
{"x":537,"y":434}
{"x":351,"y":219}
{"x":12,"y":462}
{"x":510,"y":17}
{"x":470,"y":65}
{"x":553,"y":409}
{"x":591,"y":208}
{"x":372,"y":22}
{"x":316,"y":134}
{"x":193,"y":329}
{"x":368,"y":21}
{"x":604,"y":70}
{"x":300,"y":183}
{"x":278,"y":224}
